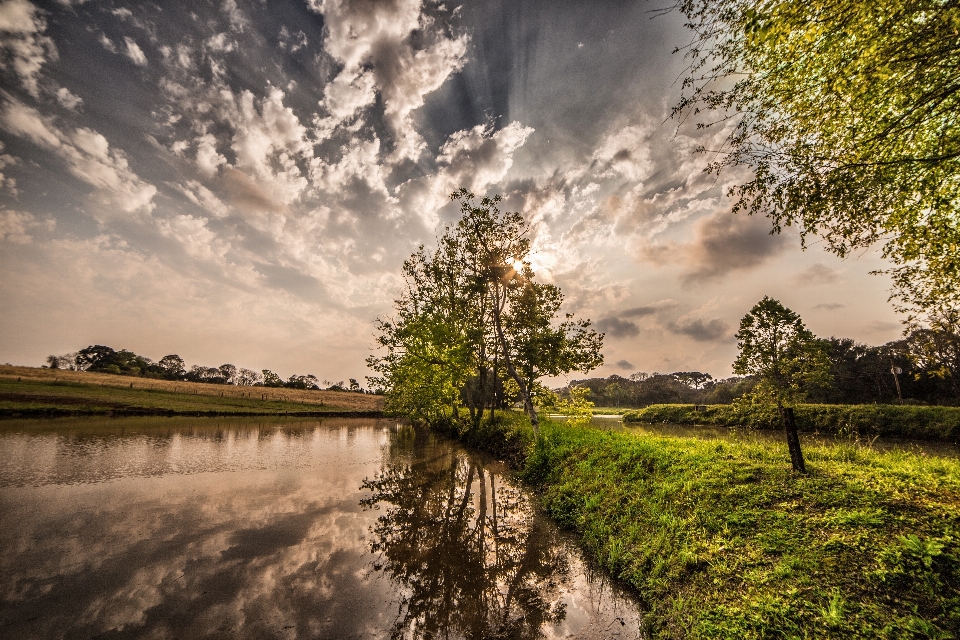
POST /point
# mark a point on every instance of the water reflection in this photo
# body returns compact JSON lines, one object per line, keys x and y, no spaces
{"x":244,"y":529}
{"x":472,"y":556}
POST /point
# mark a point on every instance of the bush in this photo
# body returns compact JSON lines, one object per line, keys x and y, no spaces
{"x":924,"y":423}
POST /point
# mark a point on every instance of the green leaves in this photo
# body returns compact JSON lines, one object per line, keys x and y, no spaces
{"x":846,"y":113}
{"x":473,"y":306}
{"x":776,"y":347}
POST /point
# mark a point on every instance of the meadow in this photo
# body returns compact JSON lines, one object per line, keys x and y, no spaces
{"x":723,"y":540}
{"x":27,"y":391}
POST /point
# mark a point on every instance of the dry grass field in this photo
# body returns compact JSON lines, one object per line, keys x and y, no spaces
{"x":57,"y":387}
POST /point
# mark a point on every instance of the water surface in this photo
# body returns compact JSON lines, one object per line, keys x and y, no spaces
{"x":340,"y":528}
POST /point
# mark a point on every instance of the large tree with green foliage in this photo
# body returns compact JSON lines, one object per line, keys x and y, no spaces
{"x":787,"y":358}
{"x":471,"y":307}
{"x":846,"y":113}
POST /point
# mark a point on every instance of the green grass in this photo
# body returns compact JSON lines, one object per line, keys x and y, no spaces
{"x":721,"y":540}
{"x":31,"y":398}
{"x":926,"y":423}
{"x":610,"y":411}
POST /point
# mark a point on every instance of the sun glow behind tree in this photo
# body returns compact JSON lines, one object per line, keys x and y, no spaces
{"x":472,"y":314}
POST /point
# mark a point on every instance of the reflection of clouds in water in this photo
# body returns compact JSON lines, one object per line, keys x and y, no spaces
{"x":244,"y":553}
{"x":281,"y":552}
{"x":246,"y":559}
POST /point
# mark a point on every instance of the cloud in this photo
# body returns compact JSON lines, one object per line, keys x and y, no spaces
{"x":639,"y":312}
{"x":107,"y":43}
{"x":626,"y":153}
{"x":617,"y":328}
{"x":14,"y":225}
{"x":374,"y":41}
{"x":723,"y":244}
{"x":816,"y":274}
{"x":23,"y":44}
{"x":625,"y":365}
{"x":135,"y":53}
{"x":292,"y":42}
{"x":829,"y":306}
{"x":88,"y":157}
{"x":713,"y":331}
{"x":473,"y":158}
{"x":884,"y":326}
{"x":8,"y":184}
{"x":67,"y":99}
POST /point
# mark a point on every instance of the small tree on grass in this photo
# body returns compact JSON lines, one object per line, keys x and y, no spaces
{"x":787,"y":359}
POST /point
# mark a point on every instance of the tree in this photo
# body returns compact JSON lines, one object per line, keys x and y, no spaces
{"x":430,"y":343}
{"x":527,"y":340}
{"x":270,"y":379}
{"x":102,"y":359}
{"x":67,"y":361}
{"x":173,"y":366}
{"x":93,"y":356}
{"x":787,"y":358}
{"x":248,"y":377}
{"x":228,"y":373}
{"x":307,"y":382}
{"x":845,"y":111}
{"x":935,"y":349}
{"x":693,"y":379}
{"x":472,"y":313}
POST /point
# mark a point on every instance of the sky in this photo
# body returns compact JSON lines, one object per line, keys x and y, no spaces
{"x":240,"y":181}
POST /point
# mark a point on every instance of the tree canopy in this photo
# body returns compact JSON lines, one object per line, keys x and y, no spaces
{"x":471,"y":315}
{"x":846,"y":113}
{"x":781,"y":352}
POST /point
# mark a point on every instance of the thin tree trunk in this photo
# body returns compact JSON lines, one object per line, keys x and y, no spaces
{"x":793,"y":438}
{"x":524,"y":389}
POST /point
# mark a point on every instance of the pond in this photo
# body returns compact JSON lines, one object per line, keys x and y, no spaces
{"x":242,"y":528}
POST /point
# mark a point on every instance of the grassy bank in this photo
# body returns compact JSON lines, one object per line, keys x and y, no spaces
{"x":28,"y":392}
{"x":923,"y":423}
{"x":720,"y":540}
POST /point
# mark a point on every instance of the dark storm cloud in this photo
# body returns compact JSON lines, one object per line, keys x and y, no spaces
{"x":725,"y":243}
{"x":617,"y":328}
{"x":625,"y":365}
{"x":712,"y":331}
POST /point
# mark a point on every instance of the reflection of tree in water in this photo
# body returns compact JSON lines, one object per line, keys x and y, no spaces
{"x":471,"y":558}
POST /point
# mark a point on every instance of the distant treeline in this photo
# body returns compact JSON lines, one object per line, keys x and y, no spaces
{"x":101,"y":359}
{"x":927,"y":360}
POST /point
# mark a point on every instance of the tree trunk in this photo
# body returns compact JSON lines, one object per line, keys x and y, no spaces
{"x":793,"y":438}
{"x":524,"y":390}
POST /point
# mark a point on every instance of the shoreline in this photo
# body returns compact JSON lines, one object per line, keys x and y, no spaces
{"x":54,"y":412}
{"x":722,"y":540}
